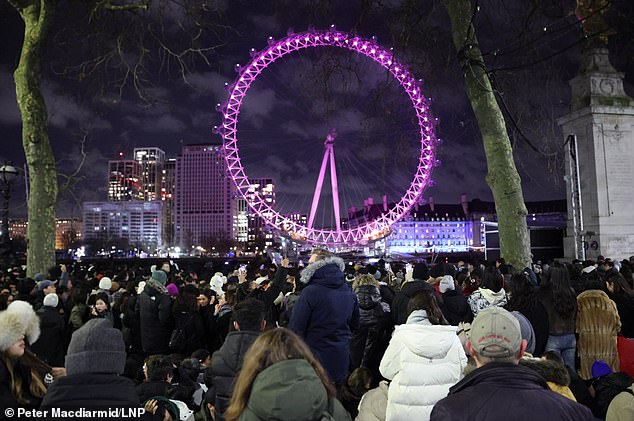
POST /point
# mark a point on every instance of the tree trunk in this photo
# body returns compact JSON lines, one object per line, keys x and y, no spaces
{"x":37,"y":16}
{"x":502,"y":176}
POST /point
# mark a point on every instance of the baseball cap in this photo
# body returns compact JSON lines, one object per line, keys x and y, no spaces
{"x":45,"y":284}
{"x":496,"y":333}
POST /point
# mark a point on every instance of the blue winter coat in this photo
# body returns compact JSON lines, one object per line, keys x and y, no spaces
{"x":325,"y":314}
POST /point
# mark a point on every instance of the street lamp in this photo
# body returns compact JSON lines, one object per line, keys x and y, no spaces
{"x":8,"y":173}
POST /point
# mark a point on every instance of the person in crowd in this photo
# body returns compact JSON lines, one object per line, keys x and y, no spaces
{"x":358,"y":384}
{"x":100,"y":306}
{"x":226,"y":363}
{"x":524,"y":298}
{"x":424,"y":358}
{"x":188,"y":319}
{"x":158,"y":374}
{"x":154,"y":307}
{"x":470,"y":282}
{"x":94,"y":362}
{"x":560,"y":302}
{"x":373,"y":404}
{"x":20,"y":385}
{"x":50,"y":346}
{"x":221,"y":322}
{"x":455,"y":306}
{"x":620,"y":292}
{"x":367,"y":343}
{"x":326,"y":313}
{"x":267,"y":291}
{"x":418,"y":282}
{"x":499,"y":388}
{"x":597,"y":324}
{"x":491,"y":292}
{"x":187,"y":389}
{"x":281,"y":379}
{"x":206,"y":305}
{"x":5,"y":299}
{"x":79,"y":309}
{"x":44,"y":288}
{"x":622,"y":406}
{"x":554,"y":372}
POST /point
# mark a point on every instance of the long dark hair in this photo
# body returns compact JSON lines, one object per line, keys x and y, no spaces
{"x":619,"y":284}
{"x":523,"y":297}
{"x":492,"y":279}
{"x":557,"y":285}
{"x":424,"y":300}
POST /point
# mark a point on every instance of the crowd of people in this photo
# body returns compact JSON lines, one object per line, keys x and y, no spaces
{"x":325,"y":340}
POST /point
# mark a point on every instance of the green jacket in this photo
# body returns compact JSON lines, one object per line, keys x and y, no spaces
{"x":291,"y":391}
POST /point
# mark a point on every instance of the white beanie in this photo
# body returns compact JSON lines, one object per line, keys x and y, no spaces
{"x":446,"y":284}
{"x":51,"y":300}
{"x":105,"y":283}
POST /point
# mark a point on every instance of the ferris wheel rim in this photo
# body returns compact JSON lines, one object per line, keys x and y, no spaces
{"x":362,"y":233}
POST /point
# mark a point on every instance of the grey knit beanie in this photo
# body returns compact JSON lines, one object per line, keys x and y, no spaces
{"x":96,"y":347}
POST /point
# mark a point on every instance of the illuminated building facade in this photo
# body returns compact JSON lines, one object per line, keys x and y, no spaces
{"x":124,"y":180}
{"x":137,"y":223}
{"x":151,"y":161}
{"x":204,"y":200}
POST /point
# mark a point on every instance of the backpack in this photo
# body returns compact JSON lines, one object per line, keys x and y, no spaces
{"x":606,"y":388}
{"x":178,"y":338}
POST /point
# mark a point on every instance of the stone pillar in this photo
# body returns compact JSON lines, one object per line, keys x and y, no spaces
{"x":602,"y":118}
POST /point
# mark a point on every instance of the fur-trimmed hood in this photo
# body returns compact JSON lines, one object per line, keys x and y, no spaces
{"x":153,"y":284}
{"x":309,"y":271}
{"x":19,"y":319}
{"x":551,"y":371}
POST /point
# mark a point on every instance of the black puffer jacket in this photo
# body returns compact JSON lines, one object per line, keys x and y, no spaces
{"x":154,"y":307}
{"x":149,"y":389}
{"x":91,"y":391}
{"x":226,"y":364}
{"x":366,"y":342}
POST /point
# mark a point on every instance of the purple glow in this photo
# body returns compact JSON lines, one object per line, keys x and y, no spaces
{"x":361,"y":234}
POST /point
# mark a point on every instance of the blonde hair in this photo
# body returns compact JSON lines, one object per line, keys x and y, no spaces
{"x":364,"y":279}
{"x":271,"y":347}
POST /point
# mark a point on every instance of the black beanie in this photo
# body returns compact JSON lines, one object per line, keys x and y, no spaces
{"x":421,"y":271}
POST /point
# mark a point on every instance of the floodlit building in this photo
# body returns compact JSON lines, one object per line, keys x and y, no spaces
{"x":151,"y":160}
{"x":138,"y":223}
{"x":204,"y":197}
{"x":124,"y":180}
{"x":168,"y":196}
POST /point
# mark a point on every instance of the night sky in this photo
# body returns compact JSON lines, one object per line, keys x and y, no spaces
{"x":533,"y":50}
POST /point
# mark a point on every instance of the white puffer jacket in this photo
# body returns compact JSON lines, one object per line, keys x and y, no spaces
{"x":423,"y":361}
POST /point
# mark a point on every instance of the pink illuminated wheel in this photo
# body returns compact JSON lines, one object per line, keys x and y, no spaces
{"x":361,"y":234}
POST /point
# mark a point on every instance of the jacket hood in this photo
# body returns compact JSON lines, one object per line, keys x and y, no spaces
{"x":411,"y":288}
{"x":288,"y":391}
{"x":369,"y":296}
{"x":551,"y":371}
{"x":426,"y":340}
{"x":327,"y":272}
{"x":492,"y":297}
{"x":153,"y":287}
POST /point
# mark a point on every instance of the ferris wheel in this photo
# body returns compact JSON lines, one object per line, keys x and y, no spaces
{"x":338,"y":234}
